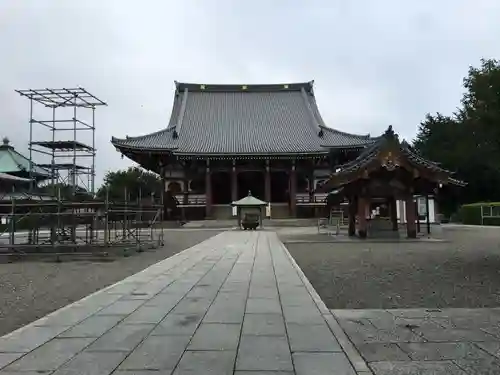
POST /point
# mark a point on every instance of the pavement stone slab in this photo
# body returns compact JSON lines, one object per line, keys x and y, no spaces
{"x":95,"y":326}
{"x":206,"y":363}
{"x":192,"y":305}
{"x":215,"y":336}
{"x":416,"y":368}
{"x":157,"y":353}
{"x":178,"y":324}
{"x":91,"y":363}
{"x":382,"y":352}
{"x":50,"y":356}
{"x":454,"y":334}
{"x":311,"y":338}
{"x":482,"y":366}
{"x":121,"y":307}
{"x":147,"y":314}
{"x":302,"y":315}
{"x":322,"y":363}
{"x":433,"y":351}
{"x":25,"y":340}
{"x":263,"y":306}
{"x":270,"y":353}
{"x":7,"y":358}
{"x":491,"y":347}
{"x":123,"y":337}
{"x":264,"y":325}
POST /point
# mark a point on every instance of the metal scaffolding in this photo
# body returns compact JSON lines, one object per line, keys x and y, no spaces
{"x":93,"y":227}
{"x":70,"y":144}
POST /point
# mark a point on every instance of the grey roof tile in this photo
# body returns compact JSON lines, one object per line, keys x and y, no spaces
{"x":372,"y":151}
{"x":237,"y":119}
{"x":14,"y":163}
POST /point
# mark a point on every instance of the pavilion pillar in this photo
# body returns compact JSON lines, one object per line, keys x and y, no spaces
{"x":293,"y":191}
{"x":352,"y":216}
{"x":185,"y":190}
{"x":234,"y":183}
{"x":267,"y":180}
{"x":411,"y":229}
{"x":393,"y":213}
{"x":208,"y":190}
{"x":362,"y":222}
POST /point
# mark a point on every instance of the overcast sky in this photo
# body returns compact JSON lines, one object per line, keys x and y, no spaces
{"x":374,"y":62}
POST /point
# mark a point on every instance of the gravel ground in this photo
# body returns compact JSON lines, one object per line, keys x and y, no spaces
{"x":31,"y":289}
{"x":464,"y":272}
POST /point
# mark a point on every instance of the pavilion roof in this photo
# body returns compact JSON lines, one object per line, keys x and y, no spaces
{"x":249,"y":201}
{"x":387,"y":151}
{"x":16,"y":164}
{"x":244,"y":119}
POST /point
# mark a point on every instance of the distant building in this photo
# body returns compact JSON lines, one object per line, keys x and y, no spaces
{"x":16,"y":174}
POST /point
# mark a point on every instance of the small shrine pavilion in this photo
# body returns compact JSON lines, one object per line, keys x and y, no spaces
{"x":388,"y":172}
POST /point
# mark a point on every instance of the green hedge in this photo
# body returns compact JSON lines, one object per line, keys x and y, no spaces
{"x":471,"y":213}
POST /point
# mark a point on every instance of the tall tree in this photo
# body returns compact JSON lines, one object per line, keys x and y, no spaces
{"x":468,"y":141}
{"x":130,"y":183}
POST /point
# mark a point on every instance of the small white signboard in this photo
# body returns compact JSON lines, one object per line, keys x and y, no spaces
{"x":235,"y":210}
{"x":268,"y":210}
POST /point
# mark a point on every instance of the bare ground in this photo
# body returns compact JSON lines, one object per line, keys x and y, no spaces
{"x":464,"y":272}
{"x":32,"y":289}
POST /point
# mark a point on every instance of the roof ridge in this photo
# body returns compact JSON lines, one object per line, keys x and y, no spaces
{"x":180,"y":117}
{"x":366,"y":136}
{"x":307,"y":103}
{"x":127,"y":138}
{"x":243,"y":87}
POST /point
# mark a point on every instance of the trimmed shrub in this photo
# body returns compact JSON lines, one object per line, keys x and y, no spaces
{"x":471,"y":213}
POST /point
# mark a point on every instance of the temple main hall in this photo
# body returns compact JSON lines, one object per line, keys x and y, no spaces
{"x":222,"y":141}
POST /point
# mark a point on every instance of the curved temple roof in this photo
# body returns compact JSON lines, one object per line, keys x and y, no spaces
{"x":372,"y":152}
{"x":244,"y":119}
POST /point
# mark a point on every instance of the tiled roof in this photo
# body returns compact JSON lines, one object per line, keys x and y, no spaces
{"x":244,"y":119}
{"x":372,"y":151}
{"x":13,"y":163}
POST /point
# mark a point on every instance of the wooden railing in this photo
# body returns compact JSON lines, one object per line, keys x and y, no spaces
{"x":194,"y":200}
{"x":305,"y":199}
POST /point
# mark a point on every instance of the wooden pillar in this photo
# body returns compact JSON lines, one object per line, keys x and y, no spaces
{"x":311,"y":185}
{"x":393,"y":213}
{"x":352,"y":216}
{"x":411,"y":228}
{"x":362,"y":224}
{"x":293,"y":190}
{"x":234,"y":183}
{"x":185,"y":190}
{"x":267,"y":180}
{"x":208,"y":190}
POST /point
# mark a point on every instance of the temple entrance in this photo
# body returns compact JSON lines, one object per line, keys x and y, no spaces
{"x":251,"y":181}
{"x":221,"y":188}
{"x":279,"y":187}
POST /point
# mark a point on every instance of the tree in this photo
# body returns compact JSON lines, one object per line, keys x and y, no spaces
{"x":468,"y":141}
{"x":134,"y":182}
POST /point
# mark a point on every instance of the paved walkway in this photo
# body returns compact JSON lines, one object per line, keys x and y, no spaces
{"x":426,"y":341}
{"x":234,"y":304}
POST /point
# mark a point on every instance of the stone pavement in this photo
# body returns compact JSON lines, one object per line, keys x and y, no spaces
{"x":234,"y":304}
{"x":426,"y":341}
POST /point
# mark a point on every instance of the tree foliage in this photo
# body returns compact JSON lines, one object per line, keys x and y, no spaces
{"x":131,"y":183}
{"x":468,"y":141}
